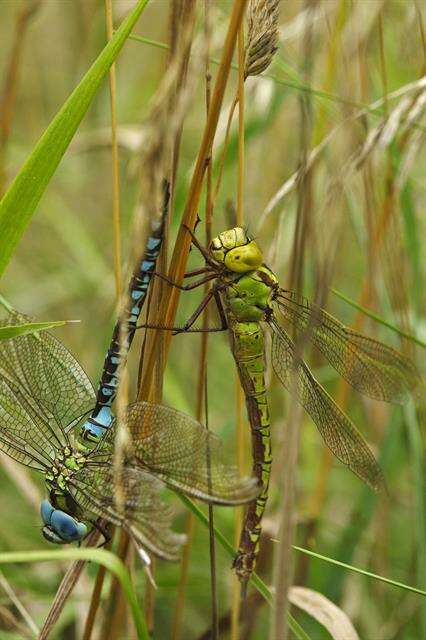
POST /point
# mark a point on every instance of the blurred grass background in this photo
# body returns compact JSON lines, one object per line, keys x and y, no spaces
{"x":364,"y":224}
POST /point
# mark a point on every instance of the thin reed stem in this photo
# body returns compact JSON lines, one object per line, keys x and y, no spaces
{"x":204,"y":336}
{"x":100,"y":577}
{"x":95,"y":600}
{"x":114,"y":158}
{"x":239,"y":398}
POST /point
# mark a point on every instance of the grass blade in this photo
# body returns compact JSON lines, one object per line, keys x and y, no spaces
{"x":100,"y":556}
{"x":29,"y":327}
{"x":378,"y":318}
{"x":363,"y":572}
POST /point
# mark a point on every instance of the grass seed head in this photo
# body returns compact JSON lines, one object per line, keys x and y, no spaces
{"x":262,"y":35}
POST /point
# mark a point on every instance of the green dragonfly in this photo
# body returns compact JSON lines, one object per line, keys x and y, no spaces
{"x":45,"y":397}
{"x":248,"y":297}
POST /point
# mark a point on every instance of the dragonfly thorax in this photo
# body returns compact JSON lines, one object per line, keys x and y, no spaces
{"x":236,"y":250}
{"x":66,"y":463}
{"x":248,"y":297}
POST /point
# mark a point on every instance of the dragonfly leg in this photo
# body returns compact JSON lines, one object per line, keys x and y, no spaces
{"x":186,"y":328}
{"x":187,"y":287}
{"x":204,"y":252}
{"x":177,"y":330}
{"x":197,"y":272}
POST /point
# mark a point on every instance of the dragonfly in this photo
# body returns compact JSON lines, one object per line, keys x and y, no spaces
{"x":52,"y":421}
{"x":249,"y":299}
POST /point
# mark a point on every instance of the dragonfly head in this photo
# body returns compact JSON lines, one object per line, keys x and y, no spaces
{"x":60,"y":527}
{"x":236,"y":250}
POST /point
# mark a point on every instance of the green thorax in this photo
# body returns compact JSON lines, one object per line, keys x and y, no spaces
{"x":249,"y":296}
{"x":66,"y":463}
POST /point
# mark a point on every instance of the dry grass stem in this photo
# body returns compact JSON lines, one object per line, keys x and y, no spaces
{"x":19,"y":606}
{"x":64,"y":590}
{"x":358,"y":156}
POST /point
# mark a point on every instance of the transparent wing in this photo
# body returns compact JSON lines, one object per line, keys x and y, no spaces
{"x":142,"y":512}
{"x":180,"y":451}
{"x":371,"y":367}
{"x":23,"y":435}
{"x":337,"y":431}
{"x":45,"y":371}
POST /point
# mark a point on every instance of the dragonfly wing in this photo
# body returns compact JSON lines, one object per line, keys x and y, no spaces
{"x":41,"y":367}
{"x":23,"y":436}
{"x":142,"y":512}
{"x":185,"y":455}
{"x":337,"y":431}
{"x":371,"y":367}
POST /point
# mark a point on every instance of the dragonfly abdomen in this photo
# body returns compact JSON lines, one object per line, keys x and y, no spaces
{"x":248,"y":349}
{"x":124,"y":330}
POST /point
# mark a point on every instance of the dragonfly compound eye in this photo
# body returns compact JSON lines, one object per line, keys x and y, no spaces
{"x":46,"y":511}
{"x":64,"y":528}
{"x":244,"y":258}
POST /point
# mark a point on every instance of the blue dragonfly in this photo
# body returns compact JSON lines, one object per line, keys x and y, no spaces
{"x":52,"y":421}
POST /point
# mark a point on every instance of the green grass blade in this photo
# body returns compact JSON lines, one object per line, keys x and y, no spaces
{"x":297,"y":630}
{"x":22,"y":197}
{"x":413,"y":235}
{"x":30,"y":327}
{"x":100,"y":556}
{"x":418,"y":482}
{"x":376,"y":576}
{"x":377,"y":318}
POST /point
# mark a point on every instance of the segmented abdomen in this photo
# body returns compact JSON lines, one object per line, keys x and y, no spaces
{"x":248,"y":349}
{"x":125,"y":328}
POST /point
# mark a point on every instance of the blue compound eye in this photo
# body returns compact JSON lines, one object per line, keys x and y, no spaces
{"x":46,"y":511}
{"x":66,"y":527}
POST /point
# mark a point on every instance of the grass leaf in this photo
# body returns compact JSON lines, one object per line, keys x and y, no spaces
{"x":324,"y":611}
{"x":100,"y":556}
{"x":376,"y":576}
{"x":30,"y":327}
{"x":378,"y":318}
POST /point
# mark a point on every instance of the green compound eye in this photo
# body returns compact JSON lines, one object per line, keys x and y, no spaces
{"x":243,"y":259}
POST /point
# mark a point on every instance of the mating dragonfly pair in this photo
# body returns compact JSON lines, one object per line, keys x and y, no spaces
{"x":45,"y":396}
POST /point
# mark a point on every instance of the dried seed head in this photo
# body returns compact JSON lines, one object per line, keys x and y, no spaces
{"x":262,"y":35}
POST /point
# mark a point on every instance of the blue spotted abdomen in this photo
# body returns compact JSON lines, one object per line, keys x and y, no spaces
{"x":102,"y":417}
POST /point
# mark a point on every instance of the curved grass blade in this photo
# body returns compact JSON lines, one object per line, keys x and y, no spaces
{"x":363,"y":572}
{"x":100,"y":556}
{"x":19,"y":202}
{"x":378,"y":318}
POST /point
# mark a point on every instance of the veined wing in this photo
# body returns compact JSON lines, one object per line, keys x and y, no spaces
{"x":142,"y":512}
{"x":371,"y":367}
{"x":24,"y":436}
{"x":44,"y":370}
{"x":185,"y":455}
{"x":336,"y":429}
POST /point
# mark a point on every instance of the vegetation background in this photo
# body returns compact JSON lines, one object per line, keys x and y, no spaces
{"x":333,"y":179}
